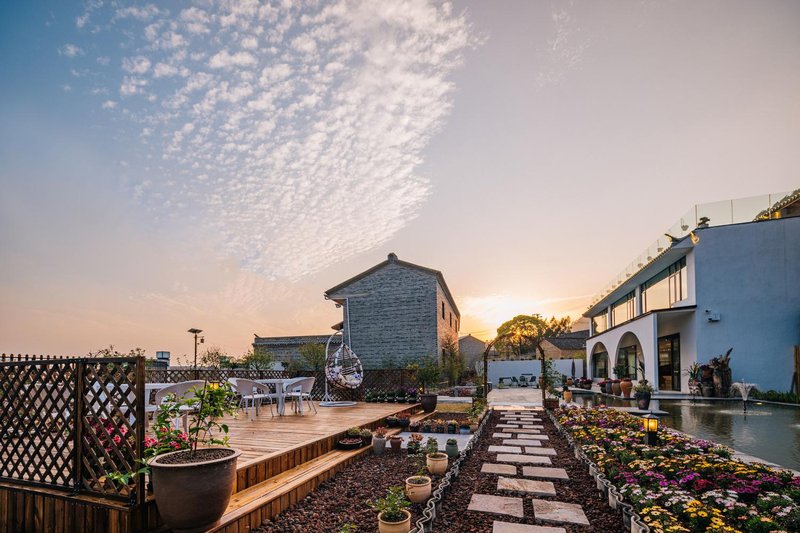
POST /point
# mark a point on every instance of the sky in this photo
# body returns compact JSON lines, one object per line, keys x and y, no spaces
{"x":219,"y":165}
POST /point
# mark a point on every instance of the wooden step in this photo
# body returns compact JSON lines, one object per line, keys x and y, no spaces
{"x":249,"y":508}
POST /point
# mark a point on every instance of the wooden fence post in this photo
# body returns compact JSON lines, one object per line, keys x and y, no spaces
{"x":78,"y":445}
{"x":141,"y":400}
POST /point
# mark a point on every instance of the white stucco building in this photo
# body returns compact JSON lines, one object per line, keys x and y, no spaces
{"x":727,"y":275}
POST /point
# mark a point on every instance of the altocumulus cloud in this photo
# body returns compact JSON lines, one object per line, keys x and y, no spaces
{"x":295,"y":131}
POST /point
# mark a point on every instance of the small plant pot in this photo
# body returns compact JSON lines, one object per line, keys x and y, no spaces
{"x":473,"y":428}
{"x":396,"y":442}
{"x":451,"y":429}
{"x":392,"y":421}
{"x":464,"y":430}
{"x":427,"y":428}
{"x":404,"y":526}
{"x":643,"y":400}
{"x":403,"y":422}
{"x":418,"y":488}
{"x":707,"y":389}
{"x":415,"y":427}
{"x":378,"y":445}
{"x":366,"y":441}
{"x":350,"y":443}
{"x":451,"y":450}
{"x":568,"y":396}
{"x":437,"y":463}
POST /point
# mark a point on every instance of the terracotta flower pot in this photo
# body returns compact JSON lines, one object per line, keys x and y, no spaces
{"x":396,"y":442}
{"x":404,"y":526}
{"x":418,"y":492}
{"x":436,"y":462}
{"x":615,"y":388}
{"x":193,"y":496}
{"x":626,"y":385}
{"x":568,"y":396}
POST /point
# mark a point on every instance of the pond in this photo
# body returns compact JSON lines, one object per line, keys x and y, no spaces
{"x":770,"y":432}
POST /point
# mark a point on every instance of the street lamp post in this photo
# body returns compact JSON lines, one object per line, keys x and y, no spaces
{"x":195,"y":332}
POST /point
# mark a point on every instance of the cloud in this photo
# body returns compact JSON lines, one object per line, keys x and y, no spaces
{"x":70,"y":50}
{"x":292,"y":138}
{"x":109,"y":104}
{"x":565,"y":48}
{"x":142,"y":13}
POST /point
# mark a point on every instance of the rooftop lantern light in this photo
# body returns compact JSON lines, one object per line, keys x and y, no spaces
{"x":650,"y":423}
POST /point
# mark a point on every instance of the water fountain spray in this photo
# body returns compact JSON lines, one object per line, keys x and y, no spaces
{"x":744,"y":391}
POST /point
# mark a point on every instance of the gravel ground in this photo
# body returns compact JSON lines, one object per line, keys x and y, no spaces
{"x":343,"y":499}
{"x":580,"y":489}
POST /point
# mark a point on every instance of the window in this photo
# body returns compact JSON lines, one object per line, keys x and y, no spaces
{"x":666,"y":288}
{"x":600,"y":322}
{"x":627,"y":358}
{"x":451,"y":320}
{"x":442,"y":310}
{"x":623,"y":310}
{"x":600,"y":365}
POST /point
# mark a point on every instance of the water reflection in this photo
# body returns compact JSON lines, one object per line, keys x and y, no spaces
{"x":771,"y":432}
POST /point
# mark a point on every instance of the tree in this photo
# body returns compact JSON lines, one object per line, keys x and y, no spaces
{"x":260,"y":360}
{"x":528,"y":332}
{"x":213,"y":357}
{"x":453,"y":363}
{"x":112,"y":352}
{"x":313,"y":356}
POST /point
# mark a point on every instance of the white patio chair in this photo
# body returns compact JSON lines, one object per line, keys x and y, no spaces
{"x":183,"y":389}
{"x":253,"y":394}
{"x":299,"y":391}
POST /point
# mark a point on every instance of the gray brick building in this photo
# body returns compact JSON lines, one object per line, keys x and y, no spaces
{"x":396,"y":312}
{"x":285,"y":348}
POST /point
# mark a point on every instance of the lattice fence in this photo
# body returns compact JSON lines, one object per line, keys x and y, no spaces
{"x":69,"y":423}
{"x":376,"y":381}
{"x":177,"y":375}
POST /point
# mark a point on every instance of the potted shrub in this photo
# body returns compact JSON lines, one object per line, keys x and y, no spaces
{"x":415,"y":427}
{"x":414,"y":444}
{"x":391,"y":421}
{"x":464,"y":427}
{"x":366,"y":437}
{"x":452,"y":426}
{"x":626,"y":385}
{"x":451,"y":448}
{"x":393,"y":516}
{"x":427,"y":426}
{"x":403,"y":421}
{"x":350,"y":443}
{"x":418,"y":488}
{"x":396,"y":441}
{"x":413,"y":395}
{"x":354,"y":432}
{"x":379,"y":440}
{"x":193,"y":486}
{"x":434,"y":459}
{"x":390,"y":397}
{"x":400,"y":396}
{"x":643,"y":391}
{"x":428,"y":376}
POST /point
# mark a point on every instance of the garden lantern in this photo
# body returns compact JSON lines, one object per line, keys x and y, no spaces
{"x":650,"y":422}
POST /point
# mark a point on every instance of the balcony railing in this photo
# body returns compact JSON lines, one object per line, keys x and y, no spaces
{"x":723,"y":213}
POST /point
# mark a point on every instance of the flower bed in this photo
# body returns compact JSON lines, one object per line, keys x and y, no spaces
{"x":684,"y":484}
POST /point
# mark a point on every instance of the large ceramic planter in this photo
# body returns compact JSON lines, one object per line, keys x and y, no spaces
{"x":378,"y":445}
{"x":626,"y":385}
{"x":436,"y":462}
{"x":404,"y":526}
{"x":418,"y":492}
{"x":707,"y":390}
{"x":193,"y":496}
{"x":428,"y":402}
{"x":608,"y":388}
{"x":616,"y":389}
{"x":643,"y":400}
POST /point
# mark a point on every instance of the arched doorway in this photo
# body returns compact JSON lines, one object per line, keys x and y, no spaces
{"x":599,"y":361}
{"x":630,"y":358}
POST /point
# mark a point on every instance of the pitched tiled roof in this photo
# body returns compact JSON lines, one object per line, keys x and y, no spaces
{"x":573,"y":340}
{"x":295,"y":340}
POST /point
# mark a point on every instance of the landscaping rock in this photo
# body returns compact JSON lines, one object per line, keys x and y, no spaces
{"x":545,"y":472}
{"x":505,"y":449}
{"x":522,"y":442}
{"x":541,"y":488}
{"x":487,"y":503}
{"x":515,"y":458}
{"x":539,"y":451}
{"x":558,"y":512}
{"x":494,"y":468}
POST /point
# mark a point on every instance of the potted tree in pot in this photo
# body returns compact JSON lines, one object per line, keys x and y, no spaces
{"x":193,"y":486}
{"x":414,"y":444}
{"x":379,"y":440}
{"x":418,"y":486}
{"x":428,"y":374}
{"x":393,"y":516}
{"x":643,"y":391}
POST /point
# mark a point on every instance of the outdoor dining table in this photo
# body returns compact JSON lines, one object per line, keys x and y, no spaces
{"x":280,"y":389}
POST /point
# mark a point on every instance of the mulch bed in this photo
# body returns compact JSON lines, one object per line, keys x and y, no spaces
{"x":580,"y":488}
{"x":343,"y":498}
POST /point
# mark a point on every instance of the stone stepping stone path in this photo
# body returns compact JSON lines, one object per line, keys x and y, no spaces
{"x":532,"y":426}
{"x":522,"y":442}
{"x":487,"y":503}
{"x":516,"y":458}
{"x":505,"y":449}
{"x":494,"y":468}
{"x":545,"y":472}
{"x":508,"y":426}
{"x":559,"y":512}
{"x":540,"y":488}
{"x":510,"y":527}
{"x":533,"y":450}
{"x":527,"y":431}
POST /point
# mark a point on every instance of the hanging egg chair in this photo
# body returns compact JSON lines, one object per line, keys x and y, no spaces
{"x":343,"y":370}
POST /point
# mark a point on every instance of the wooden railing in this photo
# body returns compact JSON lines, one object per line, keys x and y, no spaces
{"x":11,"y":357}
{"x":176,"y":375}
{"x":69,"y":423}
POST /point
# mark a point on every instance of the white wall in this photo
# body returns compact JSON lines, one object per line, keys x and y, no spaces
{"x":499,"y":369}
